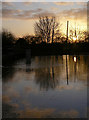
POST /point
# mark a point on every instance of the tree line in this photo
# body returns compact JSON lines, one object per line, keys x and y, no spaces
{"x":47,"y":29}
{"x":48,"y":37}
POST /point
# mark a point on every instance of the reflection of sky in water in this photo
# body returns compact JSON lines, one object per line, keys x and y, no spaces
{"x":49,"y":87}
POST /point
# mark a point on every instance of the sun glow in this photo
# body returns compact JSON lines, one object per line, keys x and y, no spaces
{"x":74,"y":38}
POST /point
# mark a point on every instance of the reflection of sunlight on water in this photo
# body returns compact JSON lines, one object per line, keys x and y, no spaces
{"x":75,"y":59}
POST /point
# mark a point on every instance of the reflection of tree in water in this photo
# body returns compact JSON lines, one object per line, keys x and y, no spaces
{"x":28,"y":65}
{"x":67,"y":71}
{"x":82,"y":67}
{"x":88,"y":89}
{"x":46,"y":78}
{"x":75,"y":72}
{"x":28,"y":60}
{"x":7,"y":72}
{"x":78,"y":69}
{"x":8,"y":111}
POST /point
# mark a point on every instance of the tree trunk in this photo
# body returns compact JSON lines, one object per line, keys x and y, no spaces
{"x":53,"y":35}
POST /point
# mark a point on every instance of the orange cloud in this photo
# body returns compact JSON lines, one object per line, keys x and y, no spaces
{"x":64,"y":3}
{"x":27,"y":3}
{"x":79,"y":13}
{"x":24,"y":14}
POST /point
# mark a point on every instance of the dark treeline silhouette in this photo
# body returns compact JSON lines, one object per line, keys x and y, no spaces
{"x":48,"y":40}
{"x":12,"y":48}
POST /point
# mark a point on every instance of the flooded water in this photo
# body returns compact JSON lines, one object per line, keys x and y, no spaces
{"x":49,"y":87}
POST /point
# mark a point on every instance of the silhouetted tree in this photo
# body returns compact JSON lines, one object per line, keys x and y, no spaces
{"x":21,"y":43}
{"x":54,"y":27}
{"x":86,"y":35}
{"x":46,"y":28}
{"x":71,"y":35}
{"x":87,"y":38}
{"x":7,"y":39}
{"x":31,"y":39}
{"x":27,"y":38}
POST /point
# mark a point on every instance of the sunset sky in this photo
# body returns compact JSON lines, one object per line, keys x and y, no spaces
{"x":19,"y":17}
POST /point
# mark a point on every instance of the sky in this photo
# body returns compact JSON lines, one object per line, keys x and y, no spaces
{"x":44,"y":0}
{"x":19,"y":17}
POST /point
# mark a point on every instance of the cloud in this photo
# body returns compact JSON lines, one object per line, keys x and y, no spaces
{"x":63,"y":3}
{"x":82,"y":3}
{"x":45,"y":0}
{"x":23,"y":0}
{"x":7,"y":4}
{"x":34,"y":14}
{"x":25,"y":14}
{"x":70,"y":3}
{"x":27,"y":3}
{"x":44,"y":13}
{"x":79,"y":14}
{"x":9,"y":13}
{"x":54,"y":9}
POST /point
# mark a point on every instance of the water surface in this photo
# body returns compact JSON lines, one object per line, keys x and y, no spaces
{"x":51,"y":86}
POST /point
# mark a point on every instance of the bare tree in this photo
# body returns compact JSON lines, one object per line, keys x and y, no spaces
{"x":86,"y":35}
{"x":46,"y":27}
{"x":54,"y":28}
